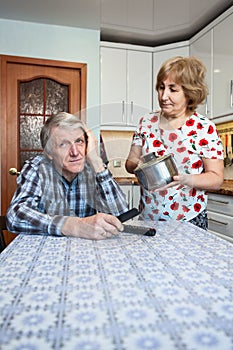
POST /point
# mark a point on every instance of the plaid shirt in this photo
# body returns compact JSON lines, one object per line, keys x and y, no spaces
{"x":44,"y":199}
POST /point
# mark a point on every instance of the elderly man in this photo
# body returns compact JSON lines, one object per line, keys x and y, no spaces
{"x":67,"y":190}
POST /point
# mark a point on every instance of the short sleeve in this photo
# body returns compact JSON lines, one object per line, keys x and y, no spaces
{"x":208,"y":143}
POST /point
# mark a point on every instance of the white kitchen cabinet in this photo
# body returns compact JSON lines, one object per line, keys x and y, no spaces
{"x":132,"y":193}
{"x":223,"y":67}
{"x":219,"y":211}
{"x":162,"y":54}
{"x":126,"y":86}
{"x":201,"y":47}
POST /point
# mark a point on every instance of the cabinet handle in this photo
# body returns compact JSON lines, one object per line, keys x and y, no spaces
{"x":231,"y":90}
{"x":132,"y":196}
{"x":206,"y":107}
{"x":131,"y":112}
{"x":218,"y":222}
{"x":129,"y":199}
{"x":215,"y":201}
{"x":123,"y":111}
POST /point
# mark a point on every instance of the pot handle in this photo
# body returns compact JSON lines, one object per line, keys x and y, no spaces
{"x":149,"y":156}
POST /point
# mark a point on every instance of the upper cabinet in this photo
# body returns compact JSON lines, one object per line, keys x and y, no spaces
{"x":223,"y":67}
{"x":162,"y":54}
{"x":212,"y":47}
{"x":129,"y":73}
{"x":201,"y":48}
{"x":126,"y":86}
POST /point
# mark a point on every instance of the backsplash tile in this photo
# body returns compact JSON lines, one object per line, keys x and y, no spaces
{"x":117,"y":146}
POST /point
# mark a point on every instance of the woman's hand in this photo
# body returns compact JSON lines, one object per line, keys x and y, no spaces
{"x":178,"y":180}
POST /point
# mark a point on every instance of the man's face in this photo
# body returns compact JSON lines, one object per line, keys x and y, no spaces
{"x":68,"y":149}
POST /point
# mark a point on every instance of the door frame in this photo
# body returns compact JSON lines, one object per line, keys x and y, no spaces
{"x":4,"y":61}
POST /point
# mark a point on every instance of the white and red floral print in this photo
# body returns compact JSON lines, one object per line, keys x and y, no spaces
{"x":197,"y":138}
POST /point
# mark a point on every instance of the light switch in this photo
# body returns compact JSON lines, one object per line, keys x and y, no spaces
{"x":117,"y":163}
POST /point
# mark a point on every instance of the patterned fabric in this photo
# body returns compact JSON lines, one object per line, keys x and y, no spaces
{"x":44,"y":198}
{"x":171,"y":291}
{"x":196,"y":139}
{"x":201,"y":220}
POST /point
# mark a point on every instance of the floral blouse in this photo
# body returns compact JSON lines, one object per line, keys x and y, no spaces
{"x":196,"y":139}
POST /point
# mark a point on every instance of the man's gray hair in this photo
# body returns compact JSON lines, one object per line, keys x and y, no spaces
{"x":62,"y":119}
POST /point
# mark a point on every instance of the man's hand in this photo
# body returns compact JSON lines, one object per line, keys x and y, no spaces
{"x":92,"y":153}
{"x":96,"y":227}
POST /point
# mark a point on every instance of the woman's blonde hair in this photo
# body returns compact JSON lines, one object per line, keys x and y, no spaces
{"x":189,"y":72}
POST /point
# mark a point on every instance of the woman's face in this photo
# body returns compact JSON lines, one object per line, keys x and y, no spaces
{"x":172,"y":99}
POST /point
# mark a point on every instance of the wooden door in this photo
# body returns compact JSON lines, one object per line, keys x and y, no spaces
{"x":16,"y":72}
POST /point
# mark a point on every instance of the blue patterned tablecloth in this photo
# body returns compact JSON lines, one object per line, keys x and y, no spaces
{"x":171,"y":291}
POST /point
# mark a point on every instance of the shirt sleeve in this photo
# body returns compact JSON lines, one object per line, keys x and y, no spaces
{"x":110,"y":197}
{"x":23,"y":215}
{"x":209,"y":144}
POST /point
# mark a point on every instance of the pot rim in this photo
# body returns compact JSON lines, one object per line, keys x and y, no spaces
{"x":154,"y":161}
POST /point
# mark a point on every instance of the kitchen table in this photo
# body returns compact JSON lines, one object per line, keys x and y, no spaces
{"x":170,"y":291}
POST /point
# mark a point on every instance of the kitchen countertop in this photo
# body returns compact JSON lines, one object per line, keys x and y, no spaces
{"x":226,"y":188}
{"x":127,"y":180}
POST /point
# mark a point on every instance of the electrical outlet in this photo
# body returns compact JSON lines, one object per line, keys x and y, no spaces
{"x":117,"y":163}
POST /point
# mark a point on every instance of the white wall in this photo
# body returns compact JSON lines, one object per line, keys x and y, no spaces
{"x":58,"y":43}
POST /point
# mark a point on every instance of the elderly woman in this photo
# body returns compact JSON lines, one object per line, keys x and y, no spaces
{"x":190,"y":137}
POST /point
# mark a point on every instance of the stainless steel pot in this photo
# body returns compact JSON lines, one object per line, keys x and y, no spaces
{"x":156,"y":172}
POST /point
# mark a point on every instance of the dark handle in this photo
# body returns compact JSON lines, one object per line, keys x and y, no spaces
{"x":128,"y":215}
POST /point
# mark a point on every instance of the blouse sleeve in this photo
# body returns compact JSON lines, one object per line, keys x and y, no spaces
{"x":209,"y":144}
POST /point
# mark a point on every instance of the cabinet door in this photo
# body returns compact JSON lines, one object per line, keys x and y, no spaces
{"x":126,"y":83}
{"x":201,"y":48}
{"x":135,"y":196}
{"x":127,"y":190}
{"x":132,"y":193}
{"x":220,"y":203}
{"x":139,"y":87}
{"x":159,"y":58}
{"x":223,"y":67}
{"x":220,"y":224}
{"x":113,"y":86}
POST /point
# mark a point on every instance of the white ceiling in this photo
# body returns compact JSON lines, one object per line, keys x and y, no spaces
{"x":168,"y":20}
